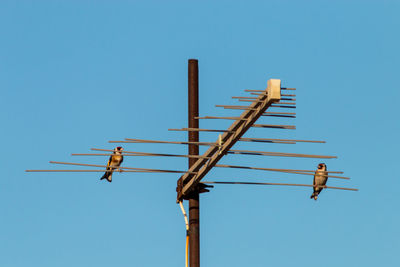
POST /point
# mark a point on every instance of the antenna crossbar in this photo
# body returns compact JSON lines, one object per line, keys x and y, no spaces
{"x":85,"y":171}
{"x":135,"y":153}
{"x":131,"y":140}
{"x":248,"y":139}
{"x":274,"y":126}
{"x":278,"y":154}
{"x":283,"y":103}
{"x":222,"y":118}
{"x":307,"y":172}
{"x":285,"y":184}
{"x":123,"y":168}
{"x":199,"y":130}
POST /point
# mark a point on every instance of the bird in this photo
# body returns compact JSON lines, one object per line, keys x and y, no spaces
{"x":113,"y":163}
{"x":320,"y":178}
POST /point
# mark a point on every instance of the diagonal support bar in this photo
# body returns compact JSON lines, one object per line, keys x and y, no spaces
{"x":228,"y":139}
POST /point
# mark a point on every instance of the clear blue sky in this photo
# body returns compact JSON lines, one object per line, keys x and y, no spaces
{"x":76,"y":74}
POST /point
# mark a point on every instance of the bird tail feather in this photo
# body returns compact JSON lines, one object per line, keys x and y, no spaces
{"x":314,"y":195}
{"x":107,"y":175}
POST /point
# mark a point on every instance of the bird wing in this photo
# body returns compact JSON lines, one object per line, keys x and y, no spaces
{"x":109,"y":163}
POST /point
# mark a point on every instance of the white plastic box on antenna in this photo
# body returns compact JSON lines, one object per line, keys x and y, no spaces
{"x":274,"y":89}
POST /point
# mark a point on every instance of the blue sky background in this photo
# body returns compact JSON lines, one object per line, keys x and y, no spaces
{"x":76,"y":74}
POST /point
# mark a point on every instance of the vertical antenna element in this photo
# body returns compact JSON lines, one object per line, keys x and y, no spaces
{"x":193,"y":107}
{"x":194,"y":203}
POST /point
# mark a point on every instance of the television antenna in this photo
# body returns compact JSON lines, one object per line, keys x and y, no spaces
{"x":190,"y":185}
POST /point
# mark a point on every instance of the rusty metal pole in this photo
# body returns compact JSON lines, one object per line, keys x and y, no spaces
{"x":194,"y":203}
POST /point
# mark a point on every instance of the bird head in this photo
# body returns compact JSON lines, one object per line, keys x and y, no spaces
{"x":118,"y":149}
{"x":321,"y":166}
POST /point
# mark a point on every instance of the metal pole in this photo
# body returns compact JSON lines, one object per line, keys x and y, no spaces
{"x":194,"y":203}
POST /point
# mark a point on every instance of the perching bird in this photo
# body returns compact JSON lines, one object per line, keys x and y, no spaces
{"x":320,"y":178}
{"x":113,"y":163}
